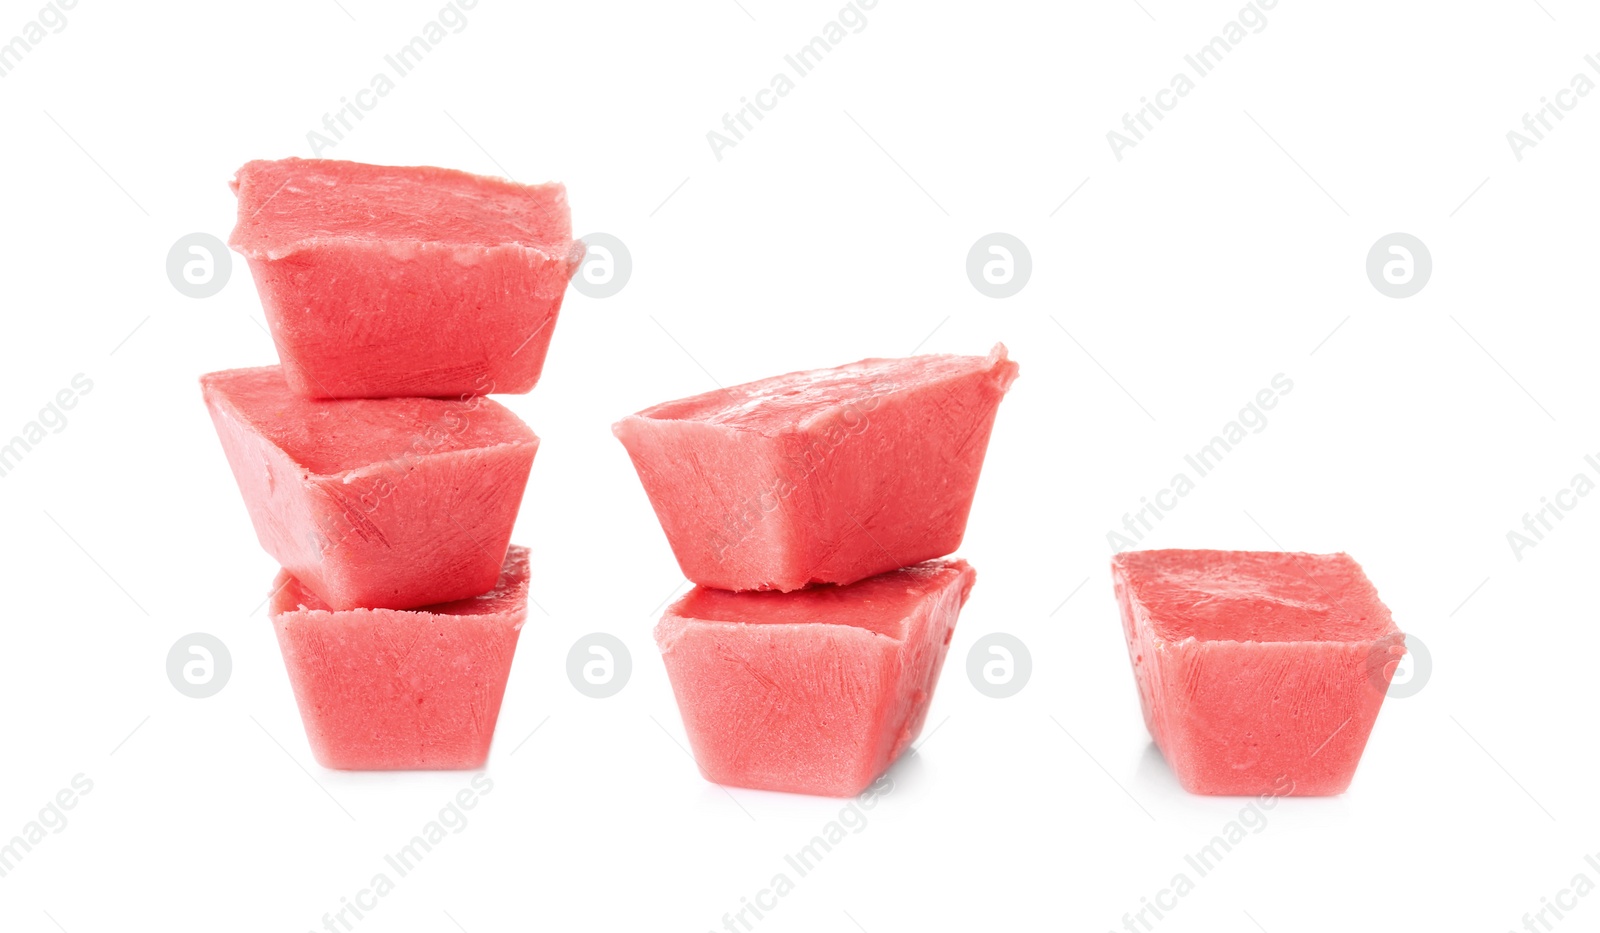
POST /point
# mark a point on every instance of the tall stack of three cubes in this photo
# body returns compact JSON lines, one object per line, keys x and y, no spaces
{"x":812,"y":510}
{"x":376,"y":470}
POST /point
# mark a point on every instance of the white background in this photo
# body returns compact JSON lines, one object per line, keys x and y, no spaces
{"x":1226,"y":248}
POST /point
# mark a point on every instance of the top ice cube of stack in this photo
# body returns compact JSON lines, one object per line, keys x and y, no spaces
{"x":825,"y":476}
{"x":382,"y":281}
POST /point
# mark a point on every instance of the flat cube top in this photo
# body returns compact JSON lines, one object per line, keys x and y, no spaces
{"x":771,"y":405}
{"x":1263,"y":596}
{"x":332,"y":436}
{"x":509,"y":596}
{"x":289,"y":204}
{"x":882,"y":604}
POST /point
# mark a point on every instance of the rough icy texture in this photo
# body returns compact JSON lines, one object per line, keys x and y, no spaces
{"x":825,"y":476}
{"x":374,"y":503}
{"x":386,"y":689}
{"x":1258,"y":672}
{"x":386,"y":281}
{"x":816,"y":691}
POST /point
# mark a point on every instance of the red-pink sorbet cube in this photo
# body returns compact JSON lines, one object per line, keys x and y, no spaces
{"x":1258,"y":672}
{"x":392,"y":689}
{"x":825,"y":476}
{"x":816,"y":691}
{"x":374,"y":503}
{"x":388,"y":281}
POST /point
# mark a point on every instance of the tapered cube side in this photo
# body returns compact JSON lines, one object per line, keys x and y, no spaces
{"x":1258,"y":673}
{"x":827,"y":476}
{"x":382,"y":281}
{"x":382,"y":503}
{"x":817,"y":691}
{"x":386,"y":689}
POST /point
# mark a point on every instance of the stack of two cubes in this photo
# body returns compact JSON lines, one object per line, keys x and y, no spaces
{"x":811,"y":509}
{"x":374,"y":468}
